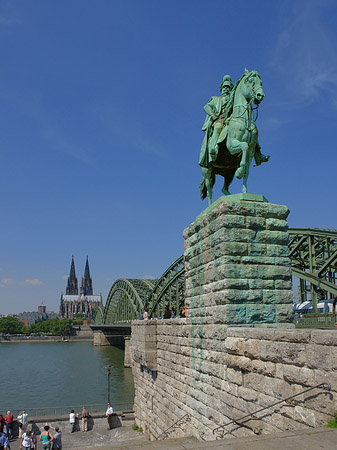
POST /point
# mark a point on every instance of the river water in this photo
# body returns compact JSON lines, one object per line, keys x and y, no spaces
{"x":49,"y":374}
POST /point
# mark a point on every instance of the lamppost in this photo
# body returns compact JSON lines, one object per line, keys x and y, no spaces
{"x":108,"y":368}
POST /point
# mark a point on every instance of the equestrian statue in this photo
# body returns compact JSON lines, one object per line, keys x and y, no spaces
{"x":230,"y":142}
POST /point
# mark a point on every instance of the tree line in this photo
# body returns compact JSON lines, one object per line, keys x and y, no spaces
{"x":12,"y":325}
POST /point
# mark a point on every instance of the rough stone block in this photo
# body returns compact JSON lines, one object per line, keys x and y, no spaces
{"x":256,"y":313}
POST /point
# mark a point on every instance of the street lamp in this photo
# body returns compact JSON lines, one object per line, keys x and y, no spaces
{"x":108,"y":368}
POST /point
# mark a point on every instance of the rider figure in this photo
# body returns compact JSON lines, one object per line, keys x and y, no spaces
{"x":216,"y":120}
{"x":214,"y":123}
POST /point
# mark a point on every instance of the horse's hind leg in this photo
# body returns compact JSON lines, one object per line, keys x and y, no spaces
{"x":228,"y":178}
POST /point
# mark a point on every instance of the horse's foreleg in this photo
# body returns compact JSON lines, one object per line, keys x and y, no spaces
{"x":234,"y":146}
{"x":246,"y":173}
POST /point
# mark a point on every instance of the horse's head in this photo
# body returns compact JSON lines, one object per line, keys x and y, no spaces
{"x":253,"y":85}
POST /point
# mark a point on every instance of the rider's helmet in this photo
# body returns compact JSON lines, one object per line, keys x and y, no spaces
{"x":226,"y":81}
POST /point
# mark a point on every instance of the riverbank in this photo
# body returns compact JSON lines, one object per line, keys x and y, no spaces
{"x":97,"y":435}
{"x":10,"y":338}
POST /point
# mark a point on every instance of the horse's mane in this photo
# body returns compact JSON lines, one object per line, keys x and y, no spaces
{"x":230,"y":103}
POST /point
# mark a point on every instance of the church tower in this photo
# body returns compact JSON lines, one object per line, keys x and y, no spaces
{"x":72,"y":286}
{"x":86,"y":283}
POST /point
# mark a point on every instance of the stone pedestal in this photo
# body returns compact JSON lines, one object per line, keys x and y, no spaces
{"x":237,"y":266}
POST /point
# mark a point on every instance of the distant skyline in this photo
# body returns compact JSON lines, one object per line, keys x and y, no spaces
{"x":101,"y":109}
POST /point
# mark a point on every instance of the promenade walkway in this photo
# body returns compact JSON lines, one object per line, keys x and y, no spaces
{"x":125,"y":438}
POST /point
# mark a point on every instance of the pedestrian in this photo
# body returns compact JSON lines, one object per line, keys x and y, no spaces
{"x":23,"y":422}
{"x":109,"y":414}
{"x":145,"y":314}
{"x":2,"y":423}
{"x":183,"y":312}
{"x":34,"y":440}
{"x":26,"y":441}
{"x":85,"y":417}
{"x":9,"y":418}
{"x":4,"y":444}
{"x":72,"y":420}
{"x":46,"y":438}
{"x":57,"y":440}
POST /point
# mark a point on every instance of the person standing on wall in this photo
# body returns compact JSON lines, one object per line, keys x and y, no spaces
{"x":9,"y":418}
{"x":23,"y":422}
{"x":109,"y":413}
{"x":72,"y":420}
{"x":85,"y":417}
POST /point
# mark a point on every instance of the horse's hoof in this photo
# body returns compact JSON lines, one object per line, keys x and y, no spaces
{"x":239,"y":173}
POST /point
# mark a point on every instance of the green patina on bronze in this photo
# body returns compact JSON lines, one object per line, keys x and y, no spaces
{"x":230,"y":141}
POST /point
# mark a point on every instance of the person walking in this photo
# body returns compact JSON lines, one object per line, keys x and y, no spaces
{"x":23,"y":422}
{"x":109,"y":414}
{"x":72,"y":420}
{"x":57,"y":440}
{"x":4,"y":444}
{"x":26,"y":441}
{"x":9,"y":418}
{"x":46,"y":438}
{"x":34,"y":440}
{"x":85,"y":417}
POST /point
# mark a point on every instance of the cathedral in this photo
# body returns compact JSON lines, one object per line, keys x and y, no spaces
{"x":83,"y":303}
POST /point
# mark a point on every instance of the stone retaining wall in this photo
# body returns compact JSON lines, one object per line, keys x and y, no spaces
{"x":215,"y":374}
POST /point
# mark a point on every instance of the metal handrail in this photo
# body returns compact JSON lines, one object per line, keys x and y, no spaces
{"x":325,"y":386}
{"x":188,"y":418}
{"x":64,"y":410}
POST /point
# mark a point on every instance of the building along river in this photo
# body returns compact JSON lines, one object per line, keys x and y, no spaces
{"x":54,"y":374}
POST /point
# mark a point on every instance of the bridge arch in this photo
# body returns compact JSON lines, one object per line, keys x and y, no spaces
{"x":127,"y":300}
{"x":313,"y":254}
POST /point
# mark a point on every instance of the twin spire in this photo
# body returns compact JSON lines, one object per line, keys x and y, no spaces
{"x":86,"y":281}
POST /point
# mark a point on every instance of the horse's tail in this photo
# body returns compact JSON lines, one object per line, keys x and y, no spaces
{"x":203,"y":189}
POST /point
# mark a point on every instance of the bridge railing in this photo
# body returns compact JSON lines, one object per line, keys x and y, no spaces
{"x":315,"y":321}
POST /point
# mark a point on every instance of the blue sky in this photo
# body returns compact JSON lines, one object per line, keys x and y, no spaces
{"x":101,"y":109}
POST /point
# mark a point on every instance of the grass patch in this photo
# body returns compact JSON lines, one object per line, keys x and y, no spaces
{"x":137,"y":428}
{"x":332,"y":422}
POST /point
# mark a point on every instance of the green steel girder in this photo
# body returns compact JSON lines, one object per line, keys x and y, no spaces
{"x":168,"y":292}
{"x":313,"y":254}
{"x":126,"y":300}
{"x":98,"y":316}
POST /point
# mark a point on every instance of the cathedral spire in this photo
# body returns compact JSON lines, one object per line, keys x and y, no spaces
{"x":86,"y":283}
{"x":72,"y":286}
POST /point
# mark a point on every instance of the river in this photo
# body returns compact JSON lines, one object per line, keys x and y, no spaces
{"x":49,"y":374}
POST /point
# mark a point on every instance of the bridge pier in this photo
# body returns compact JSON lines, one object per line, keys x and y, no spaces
{"x":127,"y":351}
{"x":100,"y":338}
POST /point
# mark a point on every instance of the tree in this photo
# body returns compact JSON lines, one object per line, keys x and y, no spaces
{"x":11,"y":325}
{"x":52,"y":326}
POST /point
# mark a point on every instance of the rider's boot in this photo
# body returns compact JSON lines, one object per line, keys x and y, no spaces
{"x":260,"y":157}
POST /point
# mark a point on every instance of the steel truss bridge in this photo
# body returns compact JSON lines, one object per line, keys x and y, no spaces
{"x":313,"y":254}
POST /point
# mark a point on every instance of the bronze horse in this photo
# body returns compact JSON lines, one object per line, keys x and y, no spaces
{"x":237,"y":144}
